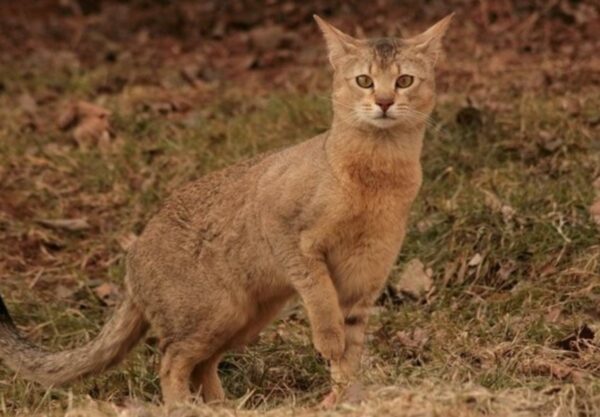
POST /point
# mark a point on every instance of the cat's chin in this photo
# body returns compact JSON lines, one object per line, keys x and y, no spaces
{"x":383,"y":122}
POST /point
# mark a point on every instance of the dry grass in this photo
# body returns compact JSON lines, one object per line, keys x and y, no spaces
{"x":512,"y":186}
{"x":425,"y":400}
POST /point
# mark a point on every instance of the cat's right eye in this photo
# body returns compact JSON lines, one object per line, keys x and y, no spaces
{"x":364,"y":81}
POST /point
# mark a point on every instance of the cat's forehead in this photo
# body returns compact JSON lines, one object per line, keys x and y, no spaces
{"x":384,"y":51}
{"x":385,"y":54}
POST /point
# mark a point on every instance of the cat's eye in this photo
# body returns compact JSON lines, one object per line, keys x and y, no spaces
{"x":404,"y":81}
{"x":364,"y":81}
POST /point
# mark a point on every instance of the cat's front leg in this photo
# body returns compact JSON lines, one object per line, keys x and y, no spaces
{"x":344,"y":371}
{"x":310,"y":278}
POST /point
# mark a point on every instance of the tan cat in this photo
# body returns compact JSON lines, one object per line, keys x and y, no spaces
{"x":323,"y":219}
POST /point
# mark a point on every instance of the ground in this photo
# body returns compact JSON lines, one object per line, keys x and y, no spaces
{"x":108,"y":106}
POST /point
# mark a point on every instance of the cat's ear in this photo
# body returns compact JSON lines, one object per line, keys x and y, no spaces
{"x":338,"y":43}
{"x":430,"y":42}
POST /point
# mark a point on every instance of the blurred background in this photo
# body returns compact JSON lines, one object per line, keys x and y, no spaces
{"x":537,"y":44}
{"x":494,"y":305}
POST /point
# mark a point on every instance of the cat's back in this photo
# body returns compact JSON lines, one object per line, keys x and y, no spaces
{"x":219,"y":196}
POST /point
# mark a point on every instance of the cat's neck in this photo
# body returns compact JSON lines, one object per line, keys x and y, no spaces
{"x":377,"y":159}
{"x":389,"y":152}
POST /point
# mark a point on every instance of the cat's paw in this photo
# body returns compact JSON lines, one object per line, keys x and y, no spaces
{"x":330,"y":342}
{"x":330,"y":401}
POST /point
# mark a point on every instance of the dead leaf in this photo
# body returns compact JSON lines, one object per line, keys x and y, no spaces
{"x":507,"y":213}
{"x":90,"y":130}
{"x":553,"y":314}
{"x":549,"y":368}
{"x":126,"y":241}
{"x":414,"y":339}
{"x":28,"y":104}
{"x":271,"y":37}
{"x":109,"y":293}
{"x":63,"y":292}
{"x":90,"y":123}
{"x":595,"y":212}
{"x":414,"y":280}
{"x":581,"y":339}
{"x":493,"y":202}
{"x":449,"y":271}
{"x":549,"y":142}
{"x":72,"y":225}
{"x":506,"y":269}
{"x":571,"y":105}
{"x":462,"y":272}
{"x":476,"y":260}
{"x":596,"y":185}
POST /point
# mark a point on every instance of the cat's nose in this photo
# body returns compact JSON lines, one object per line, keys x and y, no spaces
{"x":384,"y":103}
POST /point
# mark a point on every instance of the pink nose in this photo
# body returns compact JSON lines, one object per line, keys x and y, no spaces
{"x":384,"y":104}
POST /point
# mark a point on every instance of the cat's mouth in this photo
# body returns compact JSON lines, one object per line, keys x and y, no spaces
{"x":383,"y":121}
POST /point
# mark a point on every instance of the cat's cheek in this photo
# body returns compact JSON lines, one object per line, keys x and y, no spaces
{"x":424,"y":100}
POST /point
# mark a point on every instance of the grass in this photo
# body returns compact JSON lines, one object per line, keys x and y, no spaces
{"x":488,"y":331}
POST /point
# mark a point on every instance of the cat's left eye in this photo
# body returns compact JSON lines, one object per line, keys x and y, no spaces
{"x":404,"y":81}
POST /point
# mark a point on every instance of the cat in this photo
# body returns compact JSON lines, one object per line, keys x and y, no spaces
{"x":324,"y":219}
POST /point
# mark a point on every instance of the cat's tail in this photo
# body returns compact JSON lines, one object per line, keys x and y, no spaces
{"x":119,"y":335}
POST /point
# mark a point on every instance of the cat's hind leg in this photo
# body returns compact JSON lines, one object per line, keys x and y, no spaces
{"x":205,"y":379}
{"x":177,"y":365}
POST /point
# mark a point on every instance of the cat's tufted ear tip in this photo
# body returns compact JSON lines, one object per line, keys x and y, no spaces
{"x":338,"y":43}
{"x":445,"y":22}
{"x":430,"y":41}
{"x":323,"y":25}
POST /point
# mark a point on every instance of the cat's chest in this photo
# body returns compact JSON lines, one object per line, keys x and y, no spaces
{"x":363,"y":221}
{"x":377,"y":200}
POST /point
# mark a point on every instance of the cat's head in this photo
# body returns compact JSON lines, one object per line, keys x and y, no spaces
{"x":385,"y":82}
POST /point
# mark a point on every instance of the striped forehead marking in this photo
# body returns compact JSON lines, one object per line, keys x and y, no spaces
{"x":385,"y":51}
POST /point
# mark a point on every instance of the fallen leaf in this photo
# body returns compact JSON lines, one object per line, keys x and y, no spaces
{"x":126,"y":241}
{"x":73,"y":225}
{"x":90,"y":130}
{"x":596,"y":185}
{"x":272,"y":37}
{"x":506,"y":269}
{"x":553,"y":314}
{"x":414,"y":339}
{"x":493,"y":202}
{"x":507,"y":212}
{"x":414,"y":280}
{"x":449,"y":271}
{"x":571,"y":105}
{"x":550,"y":368}
{"x":549,"y":142}
{"x":109,"y":293}
{"x":595,"y":212}
{"x":63,"y":292}
{"x":196,"y":74}
{"x":90,"y":123}
{"x":462,"y":272}
{"x":476,"y":260}
{"x":579,"y":340}
{"x":28,"y":104}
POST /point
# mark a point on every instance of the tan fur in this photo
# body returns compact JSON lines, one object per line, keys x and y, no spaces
{"x":324,"y":219}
